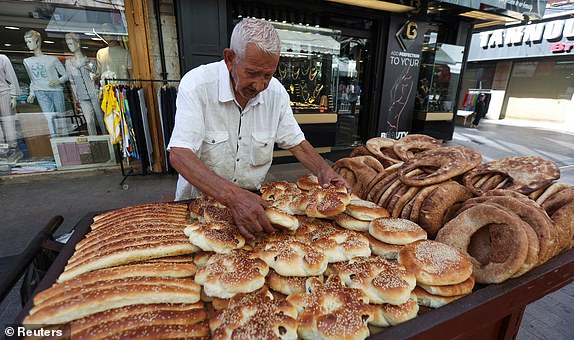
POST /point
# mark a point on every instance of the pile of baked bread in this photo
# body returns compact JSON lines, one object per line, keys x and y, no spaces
{"x":508,"y":215}
{"x":424,"y":222}
{"x":147,"y":270}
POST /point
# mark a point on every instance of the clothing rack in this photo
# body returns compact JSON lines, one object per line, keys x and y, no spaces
{"x":131,"y":81}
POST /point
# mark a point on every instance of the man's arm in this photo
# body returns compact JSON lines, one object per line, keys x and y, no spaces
{"x":247,"y":208}
{"x":305,"y":153}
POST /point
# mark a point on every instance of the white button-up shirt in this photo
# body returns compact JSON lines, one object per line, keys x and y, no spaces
{"x":236,"y":144}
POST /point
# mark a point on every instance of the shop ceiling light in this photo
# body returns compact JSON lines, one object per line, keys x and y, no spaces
{"x":48,"y":42}
{"x":12,"y":28}
{"x":486,"y":16}
{"x":376,"y":4}
{"x":7,"y":45}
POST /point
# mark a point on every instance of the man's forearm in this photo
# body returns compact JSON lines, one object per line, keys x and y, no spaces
{"x":305,"y":153}
{"x":196,"y":173}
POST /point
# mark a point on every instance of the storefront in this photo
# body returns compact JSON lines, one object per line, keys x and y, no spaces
{"x":56,"y":58}
{"x":527,"y":70}
{"x":354,"y":70}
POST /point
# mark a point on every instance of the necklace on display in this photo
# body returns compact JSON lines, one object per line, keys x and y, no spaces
{"x":316,"y":93}
{"x":305,"y":70}
{"x":313,"y":73}
{"x":304,"y":91}
{"x":295,"y":72}
{"x":282,"y":71}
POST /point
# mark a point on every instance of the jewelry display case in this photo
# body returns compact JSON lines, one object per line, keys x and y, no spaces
{"x":308,"y":67}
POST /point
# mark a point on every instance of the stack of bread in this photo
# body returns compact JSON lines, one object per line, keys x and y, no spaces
{"x":443,"y":274}
{"x":130,"y":277}
{"x":418,"y":179}
{"x":389,"y":235}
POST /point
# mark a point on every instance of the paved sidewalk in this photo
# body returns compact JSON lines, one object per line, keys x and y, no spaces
{"x":28,"y":205}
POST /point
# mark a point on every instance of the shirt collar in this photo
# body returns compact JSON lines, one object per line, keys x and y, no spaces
{"x":226,"y":93}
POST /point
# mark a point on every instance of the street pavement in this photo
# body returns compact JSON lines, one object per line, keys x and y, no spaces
{"x":29,"y":202}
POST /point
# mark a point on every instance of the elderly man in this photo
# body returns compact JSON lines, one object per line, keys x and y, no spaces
{"x":229,"y":116}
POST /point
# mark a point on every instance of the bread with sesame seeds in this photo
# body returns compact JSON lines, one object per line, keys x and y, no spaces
{"x":386,"y":250}
{"x":463,"y":288}
{"x":381,"y":280}
{"x":336,"y":243}
{"x":154,"y":211}
{"x":332,"y":311}
{"x":365,"y":210}
{"x":119,"y":272}
{"x":293,"y":258}
{"x":255,"y":316}
{"x":396,"y":231}
{"x":272,"y":191}
{"x":226,"y":275}
{"x":287,"y":285}
{"x":126,"y":255}
{"x":351,"y":223}
{"x":435,"y":263}
{"x":166,"y":331}
{"x":308,"y":182}
{"x":281,"y":219}
{"x":119,"y":313}
{"x":101,"y":296}
{"x":219,"y":237}
{"x":201,"y":257}
{"x":426,"y":299}
{"x":387,"y":315}
{"x":327,"y":202}
{"x":130,"y":324}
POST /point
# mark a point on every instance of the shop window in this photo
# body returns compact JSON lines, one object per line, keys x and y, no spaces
{"x":439,"y":74}
{"x":61,"y":53}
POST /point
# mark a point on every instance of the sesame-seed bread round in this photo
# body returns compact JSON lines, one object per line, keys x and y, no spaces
{"x":332,"y":311}
{"x":381,"y":280}
{"x":282,"y":219}
{"x":255,"y":316}
{"x":365,"y":210}
{"x":386,"y":250}
{"x":327,"y":202}
{"x":308,"y":182}
{"x":435,"y":263}
{"x":396,"y":231}
{"x":351,"y":223}
{"x":219,"y":237}
{"x":336,"y":243}
{"x":463,"y":288}
{"x":274,"y":190}
{"x":391,"y":315}
{"x":427,"y":299}
{"x":287,"y":285}
{"x":226,"y":275}
{"x":293,"y":258}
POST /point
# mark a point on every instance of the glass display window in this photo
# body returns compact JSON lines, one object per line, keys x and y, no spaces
{"x":439,"y":74}
{"x":58,"y":54}
{"x":308,"y":67}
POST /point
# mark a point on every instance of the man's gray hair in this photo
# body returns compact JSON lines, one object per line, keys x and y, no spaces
{"x":255,"y":31}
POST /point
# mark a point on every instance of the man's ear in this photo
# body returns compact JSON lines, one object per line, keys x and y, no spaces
{"x":229,"y":56}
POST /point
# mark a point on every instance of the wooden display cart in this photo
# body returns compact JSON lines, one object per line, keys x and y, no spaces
{"x":490,"y":312}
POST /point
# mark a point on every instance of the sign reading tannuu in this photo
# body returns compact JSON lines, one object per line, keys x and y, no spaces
{"x":551,"y":38}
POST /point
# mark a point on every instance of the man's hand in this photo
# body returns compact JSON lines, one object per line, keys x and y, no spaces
{"x":329,"y":176}
{"x":248,"y":211}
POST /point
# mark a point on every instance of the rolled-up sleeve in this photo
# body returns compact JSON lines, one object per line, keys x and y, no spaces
{"x":189,"y":122}
{"x":289,"y":133}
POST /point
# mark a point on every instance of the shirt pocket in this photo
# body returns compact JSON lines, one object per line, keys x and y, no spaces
{"x":261,"y":148}
{"x":214,"y":149}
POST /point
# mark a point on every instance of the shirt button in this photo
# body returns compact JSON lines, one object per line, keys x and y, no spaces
{"x":237,"y":160}
{"x":265,"y":144}
{"x":239,"y":138}
{"x":213,"y":141}
{"x":235,"y":181}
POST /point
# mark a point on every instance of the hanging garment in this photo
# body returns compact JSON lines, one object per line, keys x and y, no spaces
{"x":112,"y":114}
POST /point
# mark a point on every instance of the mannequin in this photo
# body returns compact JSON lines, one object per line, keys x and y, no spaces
{"x":80,"y":70}
{"x":9,"y":91}
{"x":113,"y":61}
{"x":47,"y":74}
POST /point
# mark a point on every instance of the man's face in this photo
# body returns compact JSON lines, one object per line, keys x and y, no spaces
{"x":252,"y":73}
